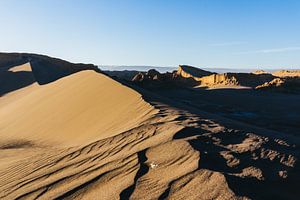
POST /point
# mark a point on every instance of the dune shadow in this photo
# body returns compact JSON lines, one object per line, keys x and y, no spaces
{"x":212,"y":146}
{"x":211,"y":149}
{"x":126,"y":193}
{"x":11,"y":81}
{"x":273,"y":111}
{"x":16,"y":144}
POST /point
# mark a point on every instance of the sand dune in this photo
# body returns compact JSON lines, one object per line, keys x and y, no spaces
{"x":73,"y":110}
{"x":86,"y":136}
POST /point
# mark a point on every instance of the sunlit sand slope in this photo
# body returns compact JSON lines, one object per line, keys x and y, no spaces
{"x":73,"y":110}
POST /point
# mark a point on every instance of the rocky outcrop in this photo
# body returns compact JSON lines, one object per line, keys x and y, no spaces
{"x":187,"y":71}
{"x":155,"y":79}
{"x":127,"y":75}
{"x":260,"y":72}
{"x":236,"y":79}
{"x":287,"y":73}
{"x":187,"y":76}
{"x":45,"y":69}
{"x":283,"y":84}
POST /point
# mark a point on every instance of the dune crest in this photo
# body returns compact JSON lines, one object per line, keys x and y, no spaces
{"x":74,"y":110}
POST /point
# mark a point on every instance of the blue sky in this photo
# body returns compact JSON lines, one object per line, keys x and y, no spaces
{"x":204,"y":33}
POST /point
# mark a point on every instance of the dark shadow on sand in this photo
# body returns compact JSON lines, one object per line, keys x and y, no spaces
{"x":210,"y":103}
{"x":11,"y":81}
{"x":126,"y":193}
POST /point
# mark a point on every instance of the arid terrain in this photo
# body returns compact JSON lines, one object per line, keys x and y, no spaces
{"x":72,"y":131}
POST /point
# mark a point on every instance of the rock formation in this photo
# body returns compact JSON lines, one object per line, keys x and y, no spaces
{"x":187,"y":71}
{"x":236,"y":79}
{"x":154,"y":79}
{"x":282,"y":84}
{"x":260,"y":72}
{"x":188,"y":76}
{"x":287,"y":73}
{"x":127,"y":75}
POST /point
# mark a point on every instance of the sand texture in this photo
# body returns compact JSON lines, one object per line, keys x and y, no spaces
{"x":87,"y":136}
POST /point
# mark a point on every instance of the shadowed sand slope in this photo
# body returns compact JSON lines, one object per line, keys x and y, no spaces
{"x":14,"y":78}
{"x":73,"y":110}
{"x":14,"y":86}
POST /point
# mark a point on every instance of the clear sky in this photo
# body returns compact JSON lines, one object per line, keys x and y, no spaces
{"x":204,"y":33}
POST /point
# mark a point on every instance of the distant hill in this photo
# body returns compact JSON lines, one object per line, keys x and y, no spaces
{"x":236,"y":79}
{"x":39,"y":68}
{"x":287,"y":73}
{"x":139,"y":68}
{"x":45,"y":69}
{"x":125,"y":74}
